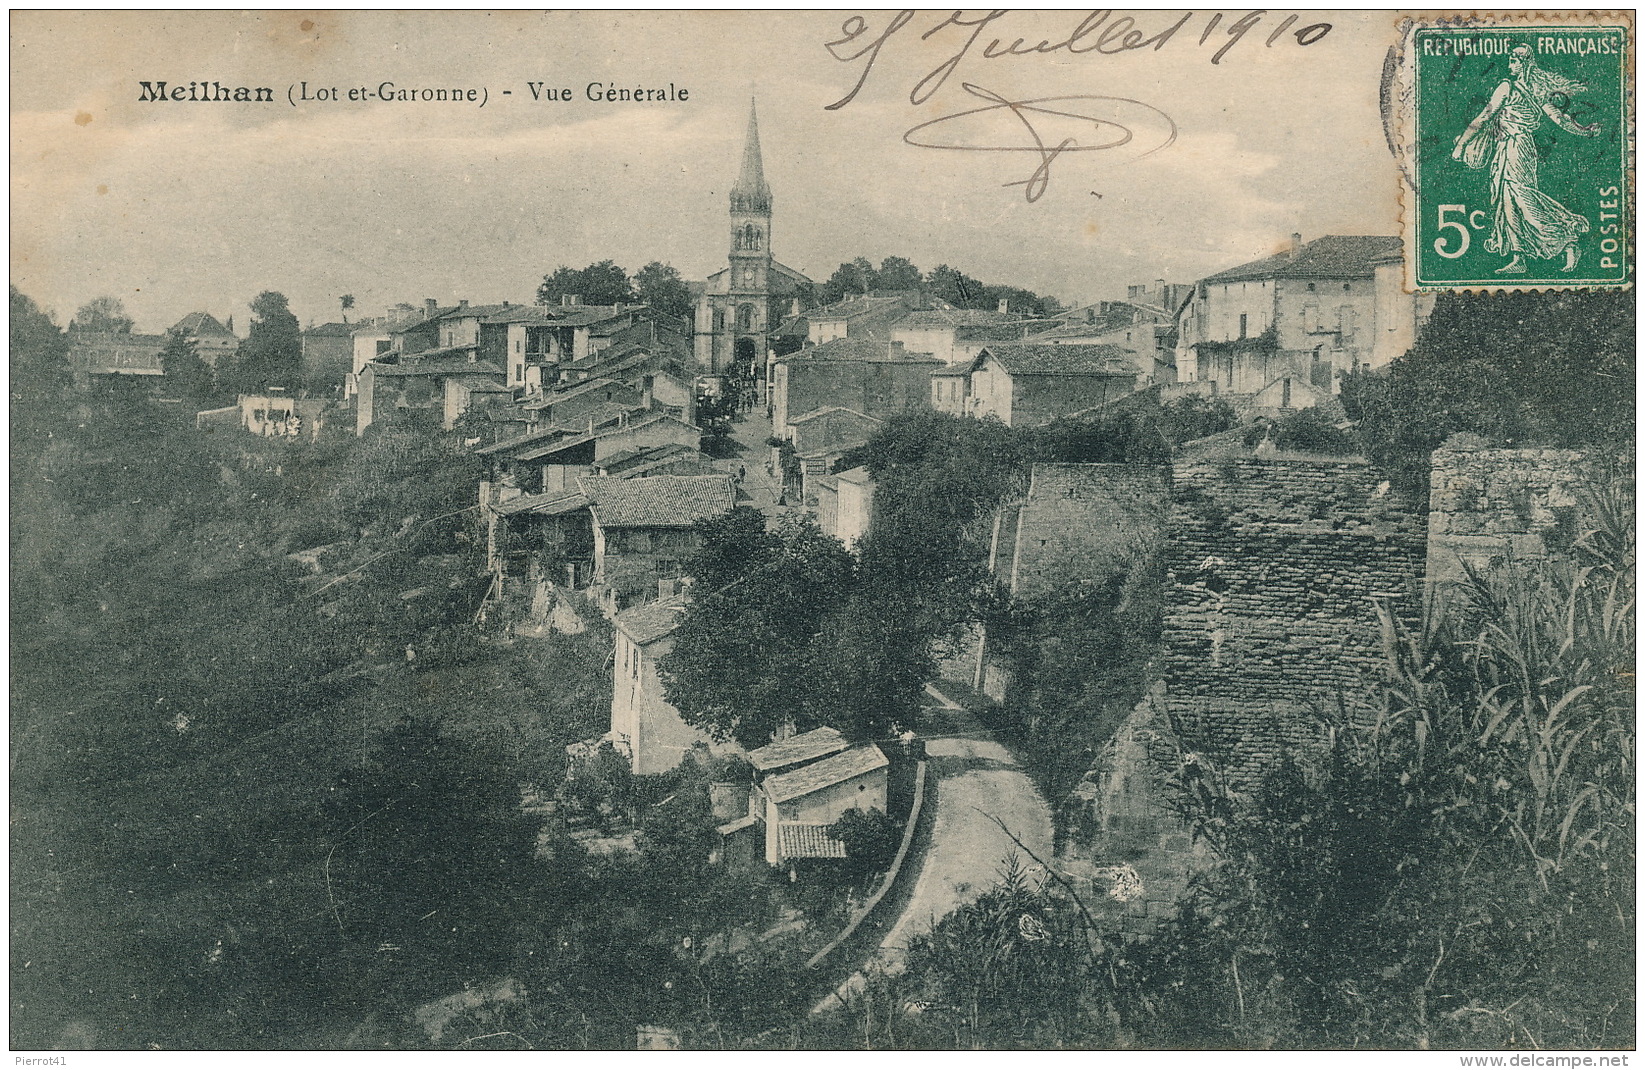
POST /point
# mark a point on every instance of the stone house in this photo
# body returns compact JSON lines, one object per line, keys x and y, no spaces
{"x":937,"y":332}
{"x":802,"y":802}
{"x":644,"y":529}
{"x":439,"y":381}
{"x":823,"y":436}
{"x":1025,"y":384}
{"x":869,"y":376}
{"x":1307,"y":315}
{"x":327,"y":356}
{"x":857,"y":317}
{"x":98,"y":354}
{"x":212,"y":341}
{"x":645,"y":726}
{"x":551,"y":458}
{"x":845,"y":505}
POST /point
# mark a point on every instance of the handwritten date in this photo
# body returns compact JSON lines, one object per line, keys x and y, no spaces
{"x":1098,"y":31}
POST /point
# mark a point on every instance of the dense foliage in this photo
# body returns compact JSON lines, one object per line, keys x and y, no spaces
{"x":899,"y":274}
{"x":1453,"y":868}
{"x":1549,"y":368}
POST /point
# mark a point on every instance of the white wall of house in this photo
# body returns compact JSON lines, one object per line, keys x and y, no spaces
{"x":820,"y":331}
{"x":643,"y":723}
{"x":937,"y":341}
{"x":991,"y":390}
{"x":824,"y":806}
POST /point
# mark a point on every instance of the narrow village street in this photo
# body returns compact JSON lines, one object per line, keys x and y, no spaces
{"x":978,"y":780}
{"x":749,"y":453}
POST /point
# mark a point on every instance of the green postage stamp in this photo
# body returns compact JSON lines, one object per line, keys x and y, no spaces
{"x":1517,"y":147}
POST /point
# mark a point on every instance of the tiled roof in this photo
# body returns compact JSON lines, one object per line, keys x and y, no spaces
{"x":1333,"y":256}
{"x":540,"y":435}
{"x":623,"y":460}
{"x":1026,"y":358}
{"x":577,"y":391}
{"x":956,"y":317}
{"x":817,"y":743}
{"x":802,"y":839}
{"x":998,"y":332}
{"x":852,"y":307}
{"x":111,"y":351}
{"x":201,"y":325}
{"x":832,"y":428}
{"x":952,"y":369}
{"x":553,"y":503}
{"x":657,"y":501}
{"x":861,"y":349}
{"x":440,"y":367}
{"x":825,"y":773}
{"x":589,"y":436}
{"x":857,"y":475}
{"x":650,"y":622}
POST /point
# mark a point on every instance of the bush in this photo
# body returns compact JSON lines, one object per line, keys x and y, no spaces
{"x":870,"y":838}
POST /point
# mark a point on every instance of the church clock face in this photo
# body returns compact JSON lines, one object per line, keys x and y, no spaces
{"x":748,"y":276}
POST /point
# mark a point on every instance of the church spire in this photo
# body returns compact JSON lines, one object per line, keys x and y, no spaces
{"x":751,"y":194}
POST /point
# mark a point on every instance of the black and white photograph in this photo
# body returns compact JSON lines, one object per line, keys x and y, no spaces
{"x":735,"y":530}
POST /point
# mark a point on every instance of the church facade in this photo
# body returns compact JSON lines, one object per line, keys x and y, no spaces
{"x":736,"y":309}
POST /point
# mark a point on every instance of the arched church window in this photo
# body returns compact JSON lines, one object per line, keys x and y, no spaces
{"x":719,"y":319}
{"x":745,"y":317}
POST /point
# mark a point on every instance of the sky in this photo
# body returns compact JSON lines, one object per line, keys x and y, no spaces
{"x":180,"y":206}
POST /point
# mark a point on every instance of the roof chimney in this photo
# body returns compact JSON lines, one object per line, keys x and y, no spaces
{"x":1296,"y":243}
{"x":463,"y":303}
{"x":429,"y":305}
{"x":1004,"y":304}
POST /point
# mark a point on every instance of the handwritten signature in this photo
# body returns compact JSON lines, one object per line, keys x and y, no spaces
{"x":1098,"y":31}
{"x":1110,"y":133}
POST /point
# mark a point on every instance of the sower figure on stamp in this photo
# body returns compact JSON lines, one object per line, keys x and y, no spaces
{"x":1526,"y":221}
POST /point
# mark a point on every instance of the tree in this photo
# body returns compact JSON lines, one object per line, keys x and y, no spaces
{"x":103,"y":314}
{"x":660,"y":286}
{"x":849,"y":280}
{"x":1476,"y":367}
{"x":898,"y":273}
{"x":187,"y":375}
{"x":39,"y":364}
{"x":603,"y":283}
{"x":272,"y":354}
{"x":955,"y":287}
{"x":745,"y":655}
{"x":429,"y":861}
{"x":347,"y":301}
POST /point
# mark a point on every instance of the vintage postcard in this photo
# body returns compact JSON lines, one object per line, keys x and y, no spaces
{"x":752,"y":530}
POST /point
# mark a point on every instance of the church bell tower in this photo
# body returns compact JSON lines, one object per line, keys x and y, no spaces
{"x":749,"y":286}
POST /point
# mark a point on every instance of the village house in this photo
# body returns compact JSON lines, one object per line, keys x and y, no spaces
{"x":1286,"y":328}
{"x":845,"y":505}
{"x":436,"y":381}
{"x":212,"y":341}
{"x":823,"y":436}
{"x":645,"y":726}
{"x":858,"y":317}
{"x":937,"y":332}
{"x":645,"y":529}
{"x":552,"y":457}
{"x":1026,"y":384}
{"x":95,"y":355}
{"x":806,"y":783}
{"x":872,"y":377}
{"x":327,"y":356}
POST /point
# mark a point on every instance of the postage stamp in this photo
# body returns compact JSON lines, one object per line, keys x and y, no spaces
{"x":1518,"y":137}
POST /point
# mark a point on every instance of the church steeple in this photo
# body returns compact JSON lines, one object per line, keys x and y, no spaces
{"x":751,"y":194}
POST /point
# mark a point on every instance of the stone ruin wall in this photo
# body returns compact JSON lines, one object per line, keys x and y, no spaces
{"x":1275,"y":571}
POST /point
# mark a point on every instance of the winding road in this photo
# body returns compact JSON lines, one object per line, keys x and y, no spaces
{"x":977,"y":781}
